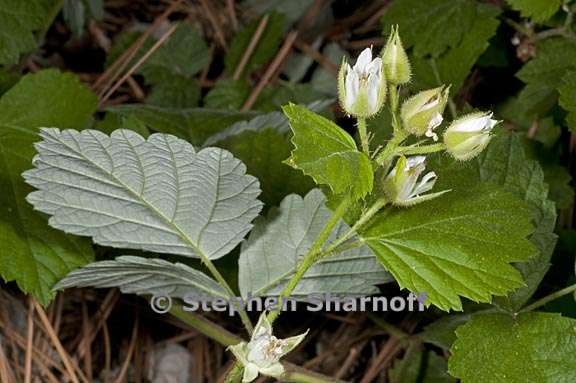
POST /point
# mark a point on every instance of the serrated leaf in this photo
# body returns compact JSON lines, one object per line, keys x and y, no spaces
{"x":271,"y":254}
{"x":568,"y":98}
{"x":18,"y":22}
{"x":531,"y":347}
{"x":459,"y":244}
{"x":144,"y":276}
{"x":33,"y":254}
{"x":227,"y":94}
{"x":264,"y":51}
{"x":453,"y":66}
{"x":327,"y":153}
{"x":543,"y":75}
{"x":537,"y":10}
{"x":156,"y":195}
{"x":505,"y":163}
{"x":431,"y":26}
{"x":193,"y":124}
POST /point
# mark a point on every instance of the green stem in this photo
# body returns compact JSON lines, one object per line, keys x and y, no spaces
{"x":412,"y":150}
{"x":363,"y":131}
{"x":312,"y":255}
{"x":549,"y":298}
{"x":367,"y":216}
{"x":389,"y":151}
{"x":394,"y":100}
{"x":222,"y":281}
{"x":203,"y":325}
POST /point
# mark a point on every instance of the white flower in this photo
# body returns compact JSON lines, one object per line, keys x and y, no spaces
{"x":467,"y":136}
{"x":262,"y":354}
{"x":402,"y":186}
{"x":422,"y":113}
{"x":362,"y":88}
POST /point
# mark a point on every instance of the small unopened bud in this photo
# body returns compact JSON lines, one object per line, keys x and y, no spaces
{"x":362,"y":88}
{"x":395,"y":60}
{"x":467,"y":136}
{"x":401,"y":186}
{"x":422,"y":113}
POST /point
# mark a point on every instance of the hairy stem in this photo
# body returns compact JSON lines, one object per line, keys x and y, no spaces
{"x":312,"y":255}
{"x":363,"y":131}
{"x":394,"y":100}
{"x":411,"y":150}
{"x":386,"y":155}
{"x":222,"y":281}
{"x":549,"y":298}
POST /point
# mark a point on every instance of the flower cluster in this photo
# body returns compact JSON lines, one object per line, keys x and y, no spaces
{"x":362,"y":93}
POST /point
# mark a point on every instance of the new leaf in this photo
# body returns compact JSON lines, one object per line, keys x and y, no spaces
{"x":328,"y":154}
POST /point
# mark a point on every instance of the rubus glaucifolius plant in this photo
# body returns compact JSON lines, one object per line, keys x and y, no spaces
{"x":383,"y":211}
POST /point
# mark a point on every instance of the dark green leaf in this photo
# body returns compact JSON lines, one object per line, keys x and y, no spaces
{"x":531,"y":347}
{"x":34,"y":255}
{"x":459,"y":244}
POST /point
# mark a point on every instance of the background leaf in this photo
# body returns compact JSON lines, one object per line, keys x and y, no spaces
{"x":265,"y":50}
{"x":532,"y":347}
{"x":431,"y":26}
{"x":537,"y":10}
{"x":157,"y":195}
{"x":271,"y":254}
{"x":33,"y":254}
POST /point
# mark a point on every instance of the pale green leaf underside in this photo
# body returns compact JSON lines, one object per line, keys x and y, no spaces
{"x":157,"y":195}
{"x":327,"y":153}
{"x":31,"y":253}
{"x":144,"y":276}
{"x":498,"y":348}
{"x":271,"y":253}
{"x":460,"y":244}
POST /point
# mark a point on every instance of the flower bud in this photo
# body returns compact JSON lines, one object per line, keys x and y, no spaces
{"x":395,"y":60}
{"x":422,"y":113}
{"x":467,"y":136}
{"x":362,"y":88}
{"x":401,"y":186}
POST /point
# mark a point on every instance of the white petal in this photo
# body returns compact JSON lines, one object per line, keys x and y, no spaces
{"x":414,"y":161}
{"x":276,"y":370}
{"x":426,"y":184}
{"x":352,"y":86}
{"x":375,"y":67}
{"x":250,"y":373}
{"x":430,"y":104}
{"x":363,"y":60}
{"x":372,"y":89}
{"x":475,"y":124}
